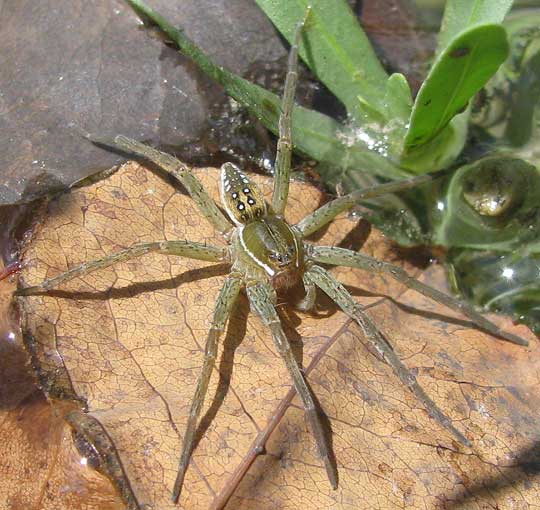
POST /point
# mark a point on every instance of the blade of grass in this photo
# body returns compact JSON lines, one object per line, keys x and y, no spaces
{"x":336,"y":49}
{"x":314,"y":134}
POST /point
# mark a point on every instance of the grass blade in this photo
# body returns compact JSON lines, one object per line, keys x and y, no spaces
{"x":314,"y":134}
{"x":336,"y":49}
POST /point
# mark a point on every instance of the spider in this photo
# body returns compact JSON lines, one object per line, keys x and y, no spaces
{"x":266,"y":256}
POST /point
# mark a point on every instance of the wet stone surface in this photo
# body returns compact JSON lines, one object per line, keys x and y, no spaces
{"x":71,"y":67}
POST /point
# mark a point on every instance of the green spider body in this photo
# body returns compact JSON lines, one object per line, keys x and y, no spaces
{"x":267,"y":254}
{"x":264,"y":246}
{"x":270,"y":249}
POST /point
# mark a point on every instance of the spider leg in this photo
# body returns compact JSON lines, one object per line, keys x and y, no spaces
{"x":262,"y":298}
{"x":344,"y":257}
{"x":188,"y":249}
{"x":224,"y":306}
{"x":325,"y":214}
{"x":337,"y":292}
{"x":284,"y":145}
{"x":176,"y":168}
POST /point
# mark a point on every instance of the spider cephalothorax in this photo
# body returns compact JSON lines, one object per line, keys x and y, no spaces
{"x":263,"y":245}
{"x":266,"y":254}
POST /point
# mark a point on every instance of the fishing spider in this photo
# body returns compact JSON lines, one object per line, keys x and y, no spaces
{"x":267,"y":255}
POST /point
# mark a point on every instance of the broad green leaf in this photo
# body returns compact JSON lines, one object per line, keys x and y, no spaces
{"x":442,"y":151}
{"x":492,"y":205}
{"x":314,"y":134}
{"x":336,"y":49}
{"x":458,"y":73}
{"x":460,"y":15}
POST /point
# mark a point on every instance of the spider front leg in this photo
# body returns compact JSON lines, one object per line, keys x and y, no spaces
{"x":187,"y":249}
{"x":325,"y":214}
{"x":180,"y":171}
{"x":284,"y":146}
{"x":344,"y":257}
{"x":337,"y":292}
{"x":262,"y":298}
{"x":224,"y":306}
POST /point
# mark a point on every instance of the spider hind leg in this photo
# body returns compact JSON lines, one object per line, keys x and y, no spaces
{"x":223,"y":309}
{"x":337,"y":292}
{"x":349,"y":258}
{"x":262,"y":299}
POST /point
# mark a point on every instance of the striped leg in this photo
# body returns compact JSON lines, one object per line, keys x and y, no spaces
{"x":187,"y":249}
{"x":284,"y":146}
{"x":337,"y":292}
{"x":180,"y":171}
{"x":325,"y":214}
{"x":262,"y":299}
{"x":308,"y":302}
{"x":224,"y":306}
{"x":344,"y":257}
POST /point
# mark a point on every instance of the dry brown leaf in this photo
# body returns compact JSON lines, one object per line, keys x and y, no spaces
{"x":129,"y":339}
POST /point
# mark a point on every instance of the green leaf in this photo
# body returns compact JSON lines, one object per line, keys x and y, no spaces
{"x":492,"y":204}
{"x":398,"y":100}
{"x":442,"y":151}
{"x":336,"y":49}
{"x":460,"y":15}
{"x":458,"y":73}
{"x":525,"y":92}
{"x":314,"y":134}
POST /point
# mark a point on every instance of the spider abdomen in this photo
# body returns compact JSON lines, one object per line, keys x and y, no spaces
{"x":271,"y":246}
{"x":240,"y":197}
